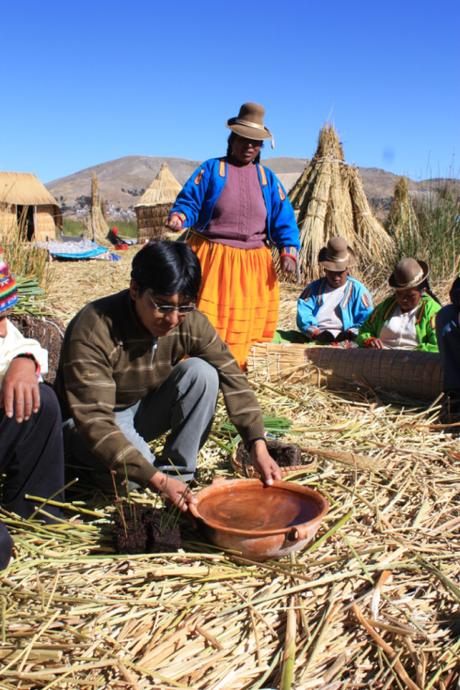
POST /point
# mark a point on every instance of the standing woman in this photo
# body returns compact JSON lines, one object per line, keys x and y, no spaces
{"x":236,"y":208}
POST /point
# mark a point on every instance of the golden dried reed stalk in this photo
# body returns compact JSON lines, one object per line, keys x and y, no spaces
{"x":97,"y":223}
{"x":402,"y":222}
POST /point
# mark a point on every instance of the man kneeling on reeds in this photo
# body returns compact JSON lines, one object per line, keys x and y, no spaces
{"x":332,"y":309}
{"x":143,"y":362}
{"x":31,"y":452}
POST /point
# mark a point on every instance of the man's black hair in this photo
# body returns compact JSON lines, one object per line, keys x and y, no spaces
{"x":167,"y":268}
{"x":229,"y":147}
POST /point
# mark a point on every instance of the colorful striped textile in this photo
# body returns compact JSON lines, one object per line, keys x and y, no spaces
{"x":239,"y":294}
{"x":8,"y":287}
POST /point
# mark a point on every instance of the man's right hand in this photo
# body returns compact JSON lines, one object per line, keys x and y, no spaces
{"x":172,"y":490}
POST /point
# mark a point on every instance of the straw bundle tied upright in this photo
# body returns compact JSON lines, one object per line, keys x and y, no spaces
{"x":97,"y":221}
{"x":402,"y":222}
{"x":154,"y":205}
{"x":329,"y":200}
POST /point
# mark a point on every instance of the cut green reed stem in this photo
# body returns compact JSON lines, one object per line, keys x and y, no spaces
{"x":45,"y":501}
{"x":68,"y":506}
{"x":335,"y":528}
{"x":288,"y":661}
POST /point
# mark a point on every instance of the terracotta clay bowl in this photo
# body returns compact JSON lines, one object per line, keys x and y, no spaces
{"x":258,"y":521}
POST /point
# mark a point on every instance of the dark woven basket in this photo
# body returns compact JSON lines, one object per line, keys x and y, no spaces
{"x":49,"y":331}
{"x":282,"y":453}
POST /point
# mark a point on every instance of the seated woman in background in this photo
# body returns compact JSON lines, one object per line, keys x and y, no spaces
{"x":333,"y":308}
{"x":448,"y":333}
{"x":406,"y":320}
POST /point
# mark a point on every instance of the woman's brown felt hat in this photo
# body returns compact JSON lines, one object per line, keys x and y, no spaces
{"x":336,"y":255}
{"x":249,"y":123}
{"x":408,"y":273}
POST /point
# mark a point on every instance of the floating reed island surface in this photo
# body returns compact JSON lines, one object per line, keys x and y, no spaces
{"x":373,"y":602}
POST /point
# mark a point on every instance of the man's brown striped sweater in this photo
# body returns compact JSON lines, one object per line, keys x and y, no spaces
{"x":107,"y":364}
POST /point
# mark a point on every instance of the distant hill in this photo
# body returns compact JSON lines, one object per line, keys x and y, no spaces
{"x":123,"y":181}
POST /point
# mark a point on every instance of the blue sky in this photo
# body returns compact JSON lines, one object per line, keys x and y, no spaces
{"x":89,"y":82}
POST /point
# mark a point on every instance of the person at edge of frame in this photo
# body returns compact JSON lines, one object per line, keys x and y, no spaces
{"x":448,"y":335}
{"x":31,"y":449}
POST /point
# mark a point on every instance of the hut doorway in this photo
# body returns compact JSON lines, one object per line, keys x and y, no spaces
{"x":25,"y":219}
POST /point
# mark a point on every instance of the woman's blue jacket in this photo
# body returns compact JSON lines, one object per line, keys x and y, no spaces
{"x":195,"y":202}
{"x":355,"y":307}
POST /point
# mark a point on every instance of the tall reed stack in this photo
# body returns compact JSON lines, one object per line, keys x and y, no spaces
{"x":98,"y":226}
{"x":402,"y":222}
{"x":153,"y":207}
{"x":329,"y":200}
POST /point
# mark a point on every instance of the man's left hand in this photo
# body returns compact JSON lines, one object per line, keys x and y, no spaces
{"x":264,"y":463}
{"x":20,"y":393}
{"x":288,"y":264}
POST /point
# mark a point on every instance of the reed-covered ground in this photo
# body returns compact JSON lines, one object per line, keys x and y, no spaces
{"x":374,"y":602}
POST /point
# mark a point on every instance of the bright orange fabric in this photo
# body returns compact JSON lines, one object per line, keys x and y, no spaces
{"x":239,"y":294}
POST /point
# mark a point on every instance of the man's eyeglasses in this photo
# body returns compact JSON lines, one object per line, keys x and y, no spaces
{"x":169,"y":308}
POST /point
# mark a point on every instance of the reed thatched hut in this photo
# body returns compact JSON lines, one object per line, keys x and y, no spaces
{"x":154,"y":205}
{"x":28,"y":207}
{"x":402,"y":222}
{"x":97,"y":223}
{"x":329,"y":200}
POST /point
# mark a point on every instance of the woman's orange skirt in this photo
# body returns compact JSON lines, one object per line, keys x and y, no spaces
{"x":239,"y":294}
